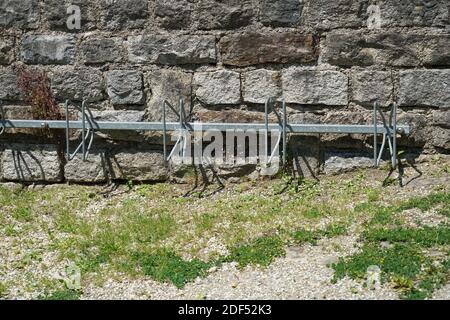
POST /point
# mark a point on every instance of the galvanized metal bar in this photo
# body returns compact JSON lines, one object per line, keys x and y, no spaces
{"x":66,"y":107}
{"x":375,"y":134}
{"x":164,"y":130}
{"x":284,"y":133}
{"x":266,"y":124}
{"x":83,"y":132}
{"x":394,"y":136}
{"x":174,"y":126}
{"x":2,"y":126}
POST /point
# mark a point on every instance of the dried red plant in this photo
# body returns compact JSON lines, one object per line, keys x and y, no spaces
{"x":35,"y":87}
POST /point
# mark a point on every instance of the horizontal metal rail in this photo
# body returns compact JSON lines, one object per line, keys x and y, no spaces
{"x":198,"y":126}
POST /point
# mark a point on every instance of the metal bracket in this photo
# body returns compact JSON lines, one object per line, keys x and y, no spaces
{"x":389,"y":134}
{"x":181,"y":114}
{"x":2,"y":125}
{"x":86,"y":134}
{"x":282,"y":121}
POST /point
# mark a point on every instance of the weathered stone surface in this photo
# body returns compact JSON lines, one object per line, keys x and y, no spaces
{"x":325,"y":14}
{"x":257,"y":48}
{"x":98,"y":50}
{"x":48,"y":49}
{"x":341,"y":161}
{"x":175,"y":14}
{"x":419,"y":13}
{"x":56,"y":14}
{"x":120,"y":116}
{"x":8,"y":85}
{"x":224,"y":14}
{"x":231,"y":115}
{"x":93,"y":170}
{"x":6,"y":50}
{"x":441,"y":118}
{"x":219,"y":87}
{"x":77,"y":84}
{"x":161,"y":49}
{"x":19,"y":14}
{"x":371,"y":86}
{"x":361,"y":48}
{"x":306,"y":154}
{"x":170,"y":85}
{"x":441,"y":138}
{"x":425,"y":88}
{"x":31,"y":163}
{"x":419,"y":126}
{"x":260,"y":85}
{"x":125,"y":87}
{"x":138,"y":166}
{"x":124,"y":14}
{"x":315,"y":87}
{"x":280,"y":13}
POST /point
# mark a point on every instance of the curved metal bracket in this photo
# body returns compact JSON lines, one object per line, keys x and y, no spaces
{"x":389,"y":136}
{"x":87,"y":134}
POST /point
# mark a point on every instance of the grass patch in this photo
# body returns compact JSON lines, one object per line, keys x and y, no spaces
{"x":167,"y":266}
{"x":63,"y":294}
{"x":262,"y":251}
{"x":3,"y":290}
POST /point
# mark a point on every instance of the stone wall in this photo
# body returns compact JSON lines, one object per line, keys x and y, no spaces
{"x":330,"y":60}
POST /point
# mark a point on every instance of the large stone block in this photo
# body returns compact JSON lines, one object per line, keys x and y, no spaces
{"x":8,"y":85}
{"x":124,"y":14}
{"x":57,"y":16}
{"x":281,"y":13}
{"x":358,"y":48}
{"x":78,"y":84}
{"x":325,"y":14}
{"x":184,"y":49}
{"x":120,"y":116}
{"x":440,"y":138}
{"x":371,"y":86}
{"x":244,"y":49}
{"x":125,"y":87}
{"x":31,"y":163}
{"x":442,"y":118}
{"x":344,"y":161}
{"x":418,"y":13}
{"x":138,"y":166}
{"x":48,"y":49}
{"x":224,"y":14}
{"x":6,"y":50}
{"x":22,"y":14}
{"x":429,"y":88}
{"x":260,"y":85}
{"x":93,"y":170}
{"x":97,"y":50}
{"x":219,"y":87}
{"x":315,"y":87}
{"x":175,"y":14}
{"x":169,"y":85}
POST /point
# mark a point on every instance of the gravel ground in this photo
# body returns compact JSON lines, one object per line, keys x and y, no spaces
{"x":302,"y":274}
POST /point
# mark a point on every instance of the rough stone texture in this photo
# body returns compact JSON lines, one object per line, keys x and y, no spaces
{"x":31,"y":163}
{"x":170,"y":85}
{"x":441,"y":138}
{"x":257,"y":48}
{"x":19,"y":14}
{"x":341,"y":161}
{"x":97,"y":50}
{"x":48,"y":49}
{"x":371,"y":86}
{"x":325,"y":14}
{"x":6,"y":50}
{"x":425,"y":88}
{"x":8,"y":85}
{"x":122,"y":14}
{"x":260,"y":85}
{"x":280,"y":13}
{"x":441,"y":118}
{"x":92,"y":170}
{"x":57,"y":16}
{"x":224,"y":14}
{"x":119,"y":116}
{"x":360,"y":48}
{"x":174,"y":14}
{"x":77,"y":84}
{"x":161,"y":49}
{"x":138,"y":166}
{"x":124,"y":87}
{"x":421,"y":13}
{"x":219,"y":87}
{"x":315,"y":87}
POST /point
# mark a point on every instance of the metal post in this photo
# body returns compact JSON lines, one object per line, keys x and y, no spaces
{"x":66,"y":106}
{"x":2,"y":126}
{"x":83,"y":129}
{"x":164,"y":130}
{"x":284,"y":132}
{"x":375,"y":133}
{"x":266,"y":123}
{"x":394,"y":136}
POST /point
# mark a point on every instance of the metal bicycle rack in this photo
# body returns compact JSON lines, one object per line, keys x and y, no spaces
{"x":88,"y":126}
